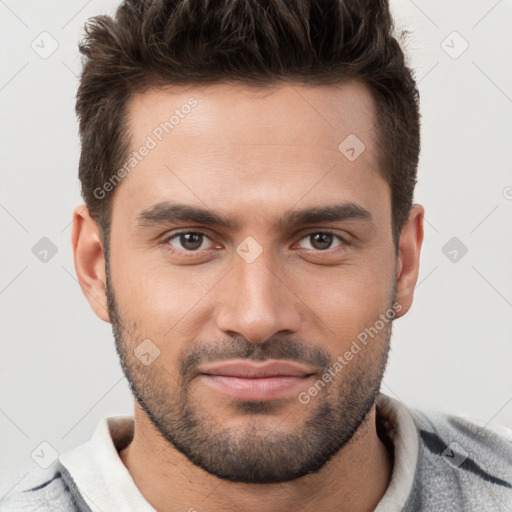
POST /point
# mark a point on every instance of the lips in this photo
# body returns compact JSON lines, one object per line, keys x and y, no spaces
{"x":245,"y":369}
{"x":255,"y":381}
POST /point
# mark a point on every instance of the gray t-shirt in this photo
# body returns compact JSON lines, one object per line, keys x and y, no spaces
{"x":441,"y":463}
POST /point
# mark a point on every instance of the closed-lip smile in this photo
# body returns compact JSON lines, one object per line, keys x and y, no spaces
{"x":249,"y":380}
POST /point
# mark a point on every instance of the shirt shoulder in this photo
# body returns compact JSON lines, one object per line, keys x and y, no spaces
{"x":463,"y":465}
{"x":42,"y":490}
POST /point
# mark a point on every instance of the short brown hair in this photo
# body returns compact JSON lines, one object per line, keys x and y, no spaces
{"x":152,"y":43}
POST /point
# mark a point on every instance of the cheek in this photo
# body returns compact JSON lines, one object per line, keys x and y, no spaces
{"x":157,"y":295}
{"x":348,"y":311}
{"x":350,"y":298}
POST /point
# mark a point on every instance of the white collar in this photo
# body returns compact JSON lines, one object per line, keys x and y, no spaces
{"x":404,"y":434}
{"x":100,"y":474}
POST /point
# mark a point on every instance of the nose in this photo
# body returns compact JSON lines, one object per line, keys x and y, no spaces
{"x":257,"y":302}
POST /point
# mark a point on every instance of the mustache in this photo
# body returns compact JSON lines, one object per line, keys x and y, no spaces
{"x":240,"y":348}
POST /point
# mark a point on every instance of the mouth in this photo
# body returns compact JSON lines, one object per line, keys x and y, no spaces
{"x":252,"y":381}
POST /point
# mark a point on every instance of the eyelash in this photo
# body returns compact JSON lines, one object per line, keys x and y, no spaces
{"x":189,"y":254}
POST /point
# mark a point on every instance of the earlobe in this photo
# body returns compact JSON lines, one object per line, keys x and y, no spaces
{"x":89,"y":261}
{"x":408,"y":261}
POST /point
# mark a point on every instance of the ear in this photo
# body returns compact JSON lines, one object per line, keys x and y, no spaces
{"x":89,"y":261}
{"x":408,"y":261}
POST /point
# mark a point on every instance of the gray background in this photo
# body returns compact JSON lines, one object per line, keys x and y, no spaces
{"x":59,"y":372}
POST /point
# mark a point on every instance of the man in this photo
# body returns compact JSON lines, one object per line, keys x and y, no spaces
{"x":248,"y":171}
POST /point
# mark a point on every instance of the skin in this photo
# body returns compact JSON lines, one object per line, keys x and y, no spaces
{"x":252,"y":155}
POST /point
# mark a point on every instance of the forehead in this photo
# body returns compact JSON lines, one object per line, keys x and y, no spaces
{"x":230,"y":112}
{"x":221,"y":142}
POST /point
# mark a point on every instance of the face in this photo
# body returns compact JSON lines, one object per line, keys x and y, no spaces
{"x":246,"y":235}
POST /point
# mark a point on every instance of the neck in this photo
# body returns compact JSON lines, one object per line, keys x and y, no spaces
{"x":354,"y":480}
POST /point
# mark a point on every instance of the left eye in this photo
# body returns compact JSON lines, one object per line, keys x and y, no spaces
{"x":321,"y":241}
{"x":189,"y":240}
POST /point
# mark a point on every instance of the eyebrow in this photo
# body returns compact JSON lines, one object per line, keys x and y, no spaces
{"x":170,"y":212}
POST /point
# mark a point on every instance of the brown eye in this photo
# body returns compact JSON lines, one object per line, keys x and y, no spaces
{"x":189,"y":241}
{"x":321,"y":241}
